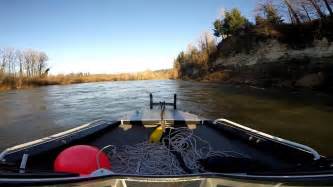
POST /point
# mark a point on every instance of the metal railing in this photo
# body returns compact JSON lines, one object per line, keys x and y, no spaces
{"x":316,"y":155}
{"x":152,"y":104}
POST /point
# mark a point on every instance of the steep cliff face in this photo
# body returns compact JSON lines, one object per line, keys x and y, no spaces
{"x":273,"y":51}
{"x":272,"y":63}
{"x":267,"y":55}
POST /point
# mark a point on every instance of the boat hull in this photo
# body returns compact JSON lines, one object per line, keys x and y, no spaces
{"x":288,"y":161}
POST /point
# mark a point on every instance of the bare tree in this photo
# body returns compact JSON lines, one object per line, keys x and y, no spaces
{"x":292,"y":12}
{"x":29,"y":63}
{"x":8,"y":61}
{"x":306,"y":12}
{"x":316,"y":6}
{"x":2,"y":65}
{"x":207,"y":43}
{"x":267,"y":11}
{"x":20,"y":60}
{"x":42,"y":63}
{"x":35,"y":62}
{"x":328,"y":6}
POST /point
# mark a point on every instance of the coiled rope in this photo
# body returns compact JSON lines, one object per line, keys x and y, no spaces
{"x":144,"y":158}
{"x":159,"y":159}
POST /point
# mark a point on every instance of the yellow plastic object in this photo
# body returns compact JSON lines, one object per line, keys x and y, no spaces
{"x":156,"y":135}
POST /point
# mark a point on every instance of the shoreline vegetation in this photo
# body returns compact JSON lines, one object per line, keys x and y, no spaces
{"x":11,"y":83}
{"x":28,"y":68}
{"x":289,"y":45}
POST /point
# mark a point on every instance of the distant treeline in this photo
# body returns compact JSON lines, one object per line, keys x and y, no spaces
{"x":22,"y":63}
{"x":19,"y":67}
{"x":29,"y":68}
{"x":87,"y":77}
{"x":75,"y":78}
{"x":296,"y":23}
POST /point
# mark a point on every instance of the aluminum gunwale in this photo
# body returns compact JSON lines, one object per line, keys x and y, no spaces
{"x":316,"y":155}
{"x":53,"y":137}
{"x":168,"y":178}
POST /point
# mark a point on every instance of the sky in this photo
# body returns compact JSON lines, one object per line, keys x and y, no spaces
{"x":110,"y":36}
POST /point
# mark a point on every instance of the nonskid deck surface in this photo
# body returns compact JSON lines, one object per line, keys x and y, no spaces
{"x":219,"y":142}
{"x":128,"y":134}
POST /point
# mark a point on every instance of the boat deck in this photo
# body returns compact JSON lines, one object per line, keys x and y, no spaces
{"x":133,"y":134}
{"x":130,"y":134}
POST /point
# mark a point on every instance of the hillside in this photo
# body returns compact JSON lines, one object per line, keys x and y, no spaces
{"x":265,"y":54}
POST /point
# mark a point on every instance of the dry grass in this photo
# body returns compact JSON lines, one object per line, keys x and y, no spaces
{"x":216,"y":76}
{"x":10,"y":82}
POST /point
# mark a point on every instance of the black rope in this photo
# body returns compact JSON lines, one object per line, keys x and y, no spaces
{"x":162,"y":105}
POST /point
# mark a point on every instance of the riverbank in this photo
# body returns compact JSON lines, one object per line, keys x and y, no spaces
{"x":312,"y":82}
{"x":265,"y":54}
{"x":11,"y":82}
{"x":273,"y":64}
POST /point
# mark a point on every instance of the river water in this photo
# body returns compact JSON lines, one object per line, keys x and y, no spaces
{"x":29,"y":114}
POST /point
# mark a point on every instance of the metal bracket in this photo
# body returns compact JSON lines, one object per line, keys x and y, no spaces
{"x":174,"y":104}
{"x":24,"y":162}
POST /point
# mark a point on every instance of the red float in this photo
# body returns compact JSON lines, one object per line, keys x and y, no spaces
{"x":80,"y":159}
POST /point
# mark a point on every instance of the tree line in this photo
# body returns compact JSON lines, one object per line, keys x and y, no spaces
{"x":23,"y":63}
{"x":274,"y":12}
{"x":294,"y":11}
{"x":195,"y":59}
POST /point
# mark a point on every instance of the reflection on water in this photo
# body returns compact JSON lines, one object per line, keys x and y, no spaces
{"x":34,"y":113}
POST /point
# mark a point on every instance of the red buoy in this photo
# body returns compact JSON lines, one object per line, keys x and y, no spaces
{"x":80,"y":159}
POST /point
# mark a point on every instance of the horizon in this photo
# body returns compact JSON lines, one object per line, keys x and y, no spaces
{"x":108,"y":37}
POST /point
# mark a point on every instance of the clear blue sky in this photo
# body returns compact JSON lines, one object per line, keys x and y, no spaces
{"x":108,"y":36}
